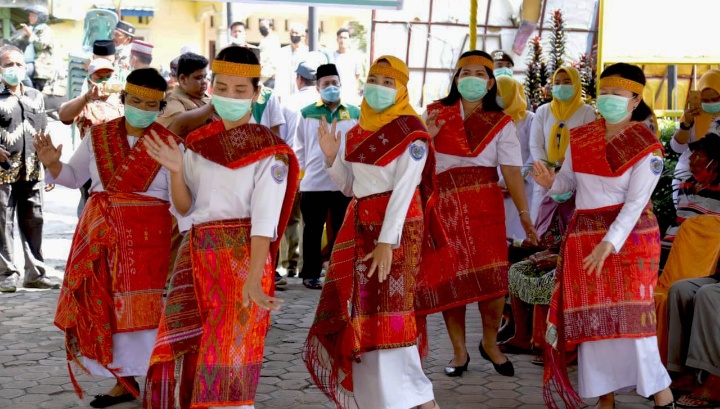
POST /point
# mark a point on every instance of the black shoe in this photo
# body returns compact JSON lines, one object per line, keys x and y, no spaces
{"x":103,"y":401}
{"x":291,"y":272}
{"x":504,"y":369}
{"x":456,"y":371}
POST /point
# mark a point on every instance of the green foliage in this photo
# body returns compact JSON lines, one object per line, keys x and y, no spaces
{"x":558,"y":39}
{"x":536,"y":78}
{"x":662,"y":197}
{"x":358,"y":33}
{"x":588,"y":74}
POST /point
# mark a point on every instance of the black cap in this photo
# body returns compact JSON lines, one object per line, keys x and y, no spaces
{"x":103,"y":48}
{"x":326,"y":70}
{"x":500,"y":55}
{"x":125,"y":28}
{"x":710,"y":144}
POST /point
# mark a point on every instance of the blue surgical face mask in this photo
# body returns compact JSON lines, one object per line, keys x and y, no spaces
{"x":561,"y":197}
{"x":330,"y":93}
{"x":563,"y":92}
{"x":503,"y":71}
{"x":231,"y":109}
{"x":472,"y":88}
{"x":139,"y":118}
{"x":378,"y":97}
{"x":13,"y":75}
{"x":711,"y":107}
{"x":613,"y":108}
{"x":500,"y":102}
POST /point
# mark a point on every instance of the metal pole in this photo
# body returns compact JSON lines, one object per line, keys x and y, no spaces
{"x":229,"y":15}
{"x":672,"y":85}
{"x":313,"y":29}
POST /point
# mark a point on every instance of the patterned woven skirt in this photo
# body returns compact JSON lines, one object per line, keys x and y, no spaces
{"x":205,"y":327}
{"x":357,"y":314}
{"x":470,"y":205}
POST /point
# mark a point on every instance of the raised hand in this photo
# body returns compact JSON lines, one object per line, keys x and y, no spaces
{"x":329,"y":140}
{"x":433,"y":124}
{"x":542,"y":175}
{"x":166,"y":153}
{"x":48,"y":154}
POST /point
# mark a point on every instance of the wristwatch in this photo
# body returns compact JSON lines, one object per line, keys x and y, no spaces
{"x":686,"y":128}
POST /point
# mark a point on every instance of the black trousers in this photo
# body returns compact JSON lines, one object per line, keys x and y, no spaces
{"x":315,"y":208}
{"x":26,"y":200}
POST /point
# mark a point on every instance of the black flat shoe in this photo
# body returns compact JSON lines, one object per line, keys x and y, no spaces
{"x":456,"y":371}
{"x":103,"y":401}
{"x":504,"y":369}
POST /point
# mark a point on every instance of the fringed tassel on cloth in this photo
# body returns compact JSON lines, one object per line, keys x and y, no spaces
{"x":557,"y":381}
{"x":331,"y":377}
{"x":160,"y":386}
{"x":422,"y":340}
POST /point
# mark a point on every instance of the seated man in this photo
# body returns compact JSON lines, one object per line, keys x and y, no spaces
{"x":694,"y":341}
{"x":695,"y":237}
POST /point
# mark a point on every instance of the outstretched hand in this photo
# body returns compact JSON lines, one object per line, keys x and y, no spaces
{"x":543,"y":176}
{"x":329,"y":139}
{"x":48,"y":154}
{"x":167,"y":153}
{"x":433,"y":125}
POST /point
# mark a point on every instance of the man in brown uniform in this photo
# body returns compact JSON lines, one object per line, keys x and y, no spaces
{"x":189,"y":92}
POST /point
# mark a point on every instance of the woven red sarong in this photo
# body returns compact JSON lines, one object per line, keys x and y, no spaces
{"x":470,"y":208}
{"x":204,"y":327}
{"x":618,"y":302}
{"x":113,"y":279}
{"x":357,"y":314}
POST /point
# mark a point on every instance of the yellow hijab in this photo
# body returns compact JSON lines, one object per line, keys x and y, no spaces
{"x":513,"y":97}
{"x":370,"y":119}
{"x":563,"y":110}
{"x":711,"y":79}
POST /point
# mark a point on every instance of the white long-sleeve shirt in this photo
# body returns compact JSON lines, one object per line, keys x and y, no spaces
{"x":255,"y":191}
{"x":543,"y":123}
{"x":632,"y":189}
{"x":291,"y":107}
{"x":401,"y":176}
{"x":82,"y":166}
{"x":504,"y":150}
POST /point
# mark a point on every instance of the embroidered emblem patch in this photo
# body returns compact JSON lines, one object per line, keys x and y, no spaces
{"x":656,"y":165}
{"x":279,"y":172}
{"x":417,"y":152}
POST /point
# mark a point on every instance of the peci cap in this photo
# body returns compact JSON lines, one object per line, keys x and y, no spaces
{"x":104,"y":48}
{"x":125,"y":28}
{"x":500,"y":55}
{"x":141,"y":47}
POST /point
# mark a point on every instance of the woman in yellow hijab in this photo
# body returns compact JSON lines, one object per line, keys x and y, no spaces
{"x":511,"y":98}
{"x":550,"y":132}
{"x":695,"y":123}
{"x":364,"y":336}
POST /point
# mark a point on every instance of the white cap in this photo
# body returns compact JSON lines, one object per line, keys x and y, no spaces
{"x":100,"y":64}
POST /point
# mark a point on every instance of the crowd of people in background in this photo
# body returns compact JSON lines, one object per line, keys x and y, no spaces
{"x":543,"y":218}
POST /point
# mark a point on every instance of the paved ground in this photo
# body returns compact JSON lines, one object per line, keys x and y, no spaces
{"x":33,"y":371}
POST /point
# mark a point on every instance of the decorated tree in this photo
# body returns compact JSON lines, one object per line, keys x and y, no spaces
{"x":588,"y":74}
{"x":536,"y":78}
{"x":556,"y":43}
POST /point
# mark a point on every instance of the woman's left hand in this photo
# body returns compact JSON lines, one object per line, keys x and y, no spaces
{"x":595,"y":261}
{"x":382,"y":260}
{"x":529,"y":227}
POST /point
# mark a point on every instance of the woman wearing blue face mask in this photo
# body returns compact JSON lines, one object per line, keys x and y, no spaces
{"x":111,"y":299}
{"x":473,"y":137}
{"x":235,"y":185}
{"x":550,"y":132}
{"x":603,"y":303}
{"x":695,"y":123}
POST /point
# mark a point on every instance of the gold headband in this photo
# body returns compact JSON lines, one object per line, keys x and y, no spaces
{"x":236,"y":69}
{"x":624,"y":83}
{"x":389,"y":72}
{"x":475,"y":59}
{"x":144,"y":92}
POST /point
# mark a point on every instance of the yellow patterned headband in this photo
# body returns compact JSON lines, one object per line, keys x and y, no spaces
{"x":624,"y":83}
{"x":236,"y":69}
{"x":144,"y":92}
{"x":389,"y":72}
{"x":477,"y":60}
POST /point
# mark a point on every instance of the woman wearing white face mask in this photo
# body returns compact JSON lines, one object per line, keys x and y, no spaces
{"x":473,"y":137}
{"x":550,"y":132}
{"x":111,"y":299}
{"x":695,"y":123}
{"x":235,"y":183}
{"x":603,"y":303}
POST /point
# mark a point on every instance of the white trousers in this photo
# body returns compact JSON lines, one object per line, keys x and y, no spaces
{"x":131,"y":354}
{"x":620,"y":365}
{"x":391,"y":379}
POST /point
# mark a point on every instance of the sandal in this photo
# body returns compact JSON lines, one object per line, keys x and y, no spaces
{"x":538,"y":360}
{"x":313,"y":283}
{"x":695,"y":401}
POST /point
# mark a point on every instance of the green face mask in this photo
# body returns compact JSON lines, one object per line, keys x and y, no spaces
{"x":503,"y":71}
{"x":711,"y":108}
{"x":562,"y":197}
{"x":472,"y":88}
{"x":139,"y":118}
{"x":563,"y":92}
{"x":613,"y":108}
{"x":378,"y":97}
{"x":13,"y":75}
{"x":231,"y":109}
